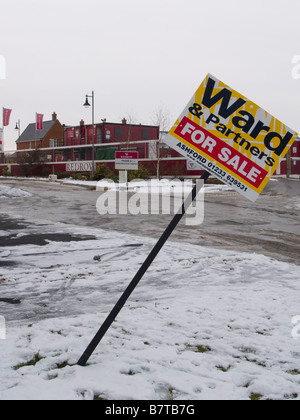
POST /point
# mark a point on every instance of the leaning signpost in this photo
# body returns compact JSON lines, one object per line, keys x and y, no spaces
{"x":230,"y":137}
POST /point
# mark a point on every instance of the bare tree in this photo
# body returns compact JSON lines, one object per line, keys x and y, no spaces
{"x":31,"y":160}
{"x":130,"y":119}
{"x":34,"y":157}
{"x":161,"y":118}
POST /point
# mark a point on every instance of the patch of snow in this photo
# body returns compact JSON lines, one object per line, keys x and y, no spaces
{"x":7,"y":192}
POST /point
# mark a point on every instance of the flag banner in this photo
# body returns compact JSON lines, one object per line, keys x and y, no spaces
{"x":6,"y":116}
{"x":39,"y":121}
{"x":1,"y":140}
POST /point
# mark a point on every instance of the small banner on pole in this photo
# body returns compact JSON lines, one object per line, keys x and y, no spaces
{"x":6,"y":116}
{"x":39,"y":121}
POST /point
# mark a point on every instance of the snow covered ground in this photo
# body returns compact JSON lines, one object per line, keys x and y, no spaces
{"x":202,"y":324}
{"x":6,"y":192}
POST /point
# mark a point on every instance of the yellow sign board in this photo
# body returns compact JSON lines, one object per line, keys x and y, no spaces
{"x":231,"y":137}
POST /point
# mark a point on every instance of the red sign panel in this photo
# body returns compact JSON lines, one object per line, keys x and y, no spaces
{"x":127,"y":155}
{"x":6,"y":116}
{"x":206,"y":142}
{"x":39,"y":121}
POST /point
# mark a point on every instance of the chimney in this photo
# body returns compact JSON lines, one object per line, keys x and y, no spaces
{"x":54,"y":116}
{"x":81,"y":122}
{"x":124,"y":121}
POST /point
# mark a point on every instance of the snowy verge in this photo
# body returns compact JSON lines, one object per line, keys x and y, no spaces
{"x":202,"y":324}
{"x":150,"y":186}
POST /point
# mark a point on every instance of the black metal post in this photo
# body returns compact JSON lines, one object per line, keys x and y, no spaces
{"x":153,"y":254}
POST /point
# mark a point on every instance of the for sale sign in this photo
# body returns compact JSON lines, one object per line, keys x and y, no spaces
{"x":126,"y":161}
{"x":231,"y":137}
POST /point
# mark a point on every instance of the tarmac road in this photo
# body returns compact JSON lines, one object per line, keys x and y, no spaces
{"x":270,"y":226}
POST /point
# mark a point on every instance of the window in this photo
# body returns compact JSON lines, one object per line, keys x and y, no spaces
{"x":53,"y":143}
{"x":118,"y":132}
{"x":70,"y":133}
{"x":145,"y":134}
{"x":99,"y":135}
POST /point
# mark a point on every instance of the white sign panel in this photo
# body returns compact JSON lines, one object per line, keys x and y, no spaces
{"x":127,"y":161}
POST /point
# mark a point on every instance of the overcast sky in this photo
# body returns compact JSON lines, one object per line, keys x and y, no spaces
{"x":139,"y":55}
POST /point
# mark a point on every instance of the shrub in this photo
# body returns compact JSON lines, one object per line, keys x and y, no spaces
{"x":6,"y":172}
{"x":45,"y":172}
{"x":141,"y":173}
{"x":62,"y":175}
{"x":103,"y":172}
{"x":80,"y":177}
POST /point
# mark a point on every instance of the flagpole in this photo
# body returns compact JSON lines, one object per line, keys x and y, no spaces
{"x":6,"y":113}
{"x":3,"y":128}
{"x":2,"y":135}
{"x":35,"y":130}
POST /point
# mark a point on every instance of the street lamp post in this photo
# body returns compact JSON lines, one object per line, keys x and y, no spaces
{"x":18,"y":127}
{"x":87,"y":105}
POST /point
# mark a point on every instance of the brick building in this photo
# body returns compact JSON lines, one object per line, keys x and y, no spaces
{"x":107,"y":138}
{"x":59,"y":148}
{"x":52,"y":135}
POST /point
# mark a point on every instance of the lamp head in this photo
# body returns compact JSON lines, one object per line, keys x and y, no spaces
{"x":86,"y":104}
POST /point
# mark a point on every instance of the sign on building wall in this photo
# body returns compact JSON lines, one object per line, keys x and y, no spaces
{"x":79,"y":167}
{"x":126,"y":161}
{"x":231,"y":137}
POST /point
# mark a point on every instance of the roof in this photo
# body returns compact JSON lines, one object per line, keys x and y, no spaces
{"x":30,"y":133}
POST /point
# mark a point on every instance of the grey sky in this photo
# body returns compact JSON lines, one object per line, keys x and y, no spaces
{"x":138,"y":55}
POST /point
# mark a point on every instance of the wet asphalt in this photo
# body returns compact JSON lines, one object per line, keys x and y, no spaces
{"x":271,"y":226}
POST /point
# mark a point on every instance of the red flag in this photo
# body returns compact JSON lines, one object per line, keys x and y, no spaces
{"x":39,"y":121}
{"x":1,"y":140}
{"x":6,"y":116}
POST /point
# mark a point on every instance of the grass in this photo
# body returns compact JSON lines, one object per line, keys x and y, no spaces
{"x":202,"y":349}
{"x":32,"y":362}
{"x":98,"y":398}
{"x":294,"y":372}
{"x":37,"y":358}
{"x":199,"y":348}
{"x":255,"y":397}
{"x":224,"y":369}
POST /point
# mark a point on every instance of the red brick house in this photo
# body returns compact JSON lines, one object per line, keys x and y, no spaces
{"x":52,"y":135}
